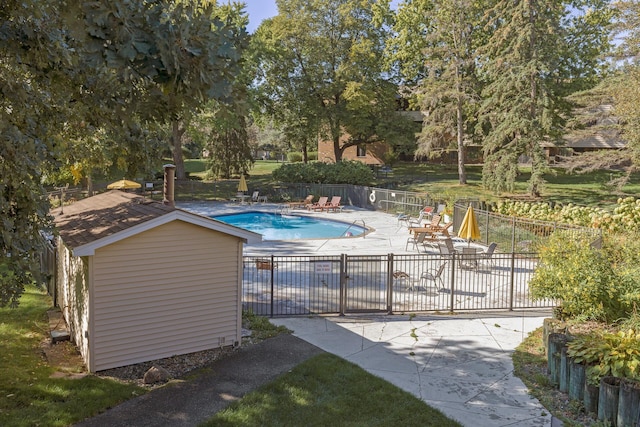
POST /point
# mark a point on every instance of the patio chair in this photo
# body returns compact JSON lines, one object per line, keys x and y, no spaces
{"x":319,"y":204}
{"x":302,"y":204}
{"x":415,"y":240}
{"x":255,"y":196}
{"x":469,"y":259}
{"x":401,"y":276}
{"x":265,"y":264}
{"x":449,"y":244}
{"x":435,"y":220}
{"x":333,"y":205}
{"x":431,"y":227}
{"x":425,"y":213}
{"x":433,"y":275}
{"x":486,"y":257}
{"x":403,"y":217}
{"x":445,"y":252}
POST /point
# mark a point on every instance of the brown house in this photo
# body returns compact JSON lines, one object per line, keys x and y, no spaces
{"x":138,"y":280}
{"x":369,"y":154}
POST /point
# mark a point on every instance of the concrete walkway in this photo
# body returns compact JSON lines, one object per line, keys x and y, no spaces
{"x":458,"y":364}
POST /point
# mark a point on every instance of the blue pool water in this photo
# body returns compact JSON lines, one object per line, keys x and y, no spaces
{"x":288,"y":227}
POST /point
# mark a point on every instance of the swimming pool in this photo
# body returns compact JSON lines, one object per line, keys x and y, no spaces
{"x":288,"y":227}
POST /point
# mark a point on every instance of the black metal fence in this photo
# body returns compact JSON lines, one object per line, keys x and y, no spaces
{"x":342,"y":284}
{"x":520,"y":235}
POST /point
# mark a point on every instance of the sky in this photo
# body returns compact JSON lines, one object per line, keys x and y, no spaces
{"x":259,"y":10}
{"x":262,"y":9}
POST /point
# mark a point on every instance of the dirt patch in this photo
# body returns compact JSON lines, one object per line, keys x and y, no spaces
{"x":65,"y":358}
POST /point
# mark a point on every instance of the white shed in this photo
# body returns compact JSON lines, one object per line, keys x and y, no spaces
{"x":138,"y":280}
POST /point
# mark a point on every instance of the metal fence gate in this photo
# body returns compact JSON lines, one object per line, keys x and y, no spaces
{"x":303,"y":285}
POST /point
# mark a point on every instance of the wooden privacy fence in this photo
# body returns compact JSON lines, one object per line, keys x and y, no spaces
{"x":342,"y":284}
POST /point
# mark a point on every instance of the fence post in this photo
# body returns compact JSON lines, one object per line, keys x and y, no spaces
{"x":452,"y":281}
{"x":512,"y":280}
{"x":390,"y":283}
{"x":513,"y":234}
{"x":271,"y":283}
{"x":487,"y":240}
{"x":343,"y":283}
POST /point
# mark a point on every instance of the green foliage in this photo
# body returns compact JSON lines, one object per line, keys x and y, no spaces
{"x":356,"y":173}
{"x":294,"y":157}
{"x":582,"y":279}
{"x":260,"y":326}
{"x":605,"y":353}
{"x":536,"y":54}
{"x":624,"y":218}
{"x":78,"y":79}
{"x":183,"y":53}
{"x":434,"y":44}
{"x":320,"y":71}
{"x":34,"y":77}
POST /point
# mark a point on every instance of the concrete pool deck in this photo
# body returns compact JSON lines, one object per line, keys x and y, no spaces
{"x":387,"y":235}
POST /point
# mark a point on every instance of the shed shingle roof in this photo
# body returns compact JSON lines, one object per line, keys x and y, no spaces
{"x":100,"y":216}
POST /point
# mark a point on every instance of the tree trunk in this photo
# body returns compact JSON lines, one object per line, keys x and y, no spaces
{"x":462,"y":173}
{"x":176,"y":143}
{"x":337,"y":150}
{"x":89,"y":185}
{"x":305,"y":153}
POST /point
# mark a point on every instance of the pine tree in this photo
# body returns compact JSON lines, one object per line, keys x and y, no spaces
{"x":538,"y":54}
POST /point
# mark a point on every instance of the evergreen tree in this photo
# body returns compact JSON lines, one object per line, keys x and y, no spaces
{"x":538,"y":53}
{"x":435,"y":50}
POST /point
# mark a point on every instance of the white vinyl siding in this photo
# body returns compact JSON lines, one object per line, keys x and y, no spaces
{"x":73,"y":296}
{"x":166,"y":291}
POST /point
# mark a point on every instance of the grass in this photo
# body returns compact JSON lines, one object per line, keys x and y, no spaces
{"x":585,"y":189}
{"x":28,"y":396}
{"x":327,"y":390}
{"x":440,"y":181}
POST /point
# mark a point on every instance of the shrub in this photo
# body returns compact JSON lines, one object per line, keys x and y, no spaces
{"x":345,"y":172}
{"x":582,"y":280}
{"x":294,"y":157}
{"x":606,"y":353}
{"x":625,"y":216}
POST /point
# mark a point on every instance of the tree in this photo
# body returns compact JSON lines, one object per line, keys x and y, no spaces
{"x":320,"y":61}
{"x":222,"y":126}
{"x":435,"y":46}
{"x":626,"y":88}
{"x":537,"y":54}
{"x":59,"y":60}
{"x":180,"y":51}
{"x":36,"y":65}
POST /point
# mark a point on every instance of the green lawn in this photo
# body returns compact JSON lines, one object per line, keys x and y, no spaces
{"x":28,"y":396}
{"x":329,"y":391}
{"x":441,"y":182}
{"x":585,"y":189}
{"x":323,"y":391}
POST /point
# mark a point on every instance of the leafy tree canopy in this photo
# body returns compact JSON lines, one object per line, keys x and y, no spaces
{"x":79,"y":84}
{"x":319,"y":65}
